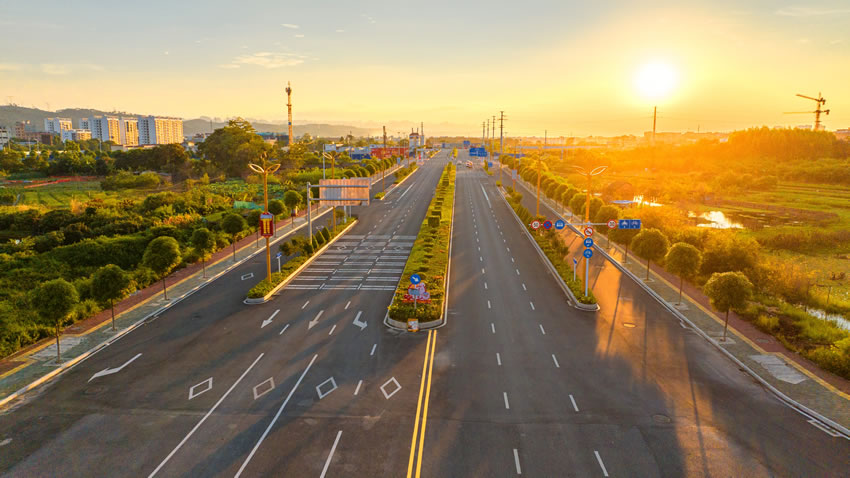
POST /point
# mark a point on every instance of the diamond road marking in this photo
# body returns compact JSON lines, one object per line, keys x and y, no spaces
{"x":319,"y":388}
{"x":386,"y":395}
{"x":247,"y":276}
{"x":207,"y":382}
{"x":269,"y":382}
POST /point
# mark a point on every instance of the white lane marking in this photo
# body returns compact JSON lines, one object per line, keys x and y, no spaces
{"x":388,"y":395}
{"x":508,"y":248}
{"x":110,"y":371}
{"x":269,"y":320}
{"x":512,"y":259}
{"x":517,"y":272}
{"x":493,"y":327}
{"x":284,"y":329}
{"x":541,"y":329}
{"x":480,"y":259}
{"x":373,"y":350}
{"x":269,"y":381}
{"x":575,"y":407}
{"x":332,"y":329}
{"x":305,"y":305}
{"x":357,"y":390}
{"x":498,"y":359}
{"x":479,"y":248}
{"x":482,"y":270}
{"x":476,"y":240}
{"x":523,"y":286}
{"x":601,"y":465}
{"x":486,"y":196}
{"x":516,"y":461}
{"x":208,"y":382}
{"x":485,"y":285}
{"x":330,"y":455}
{"x":488,"y":305}
{"x":507,"y":405}
{"x":557,"y":365}
{"x":532,"y":305}
{"x":210,"y":412}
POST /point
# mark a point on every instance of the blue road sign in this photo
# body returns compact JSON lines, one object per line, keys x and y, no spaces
{"x":588,"y":253}
{"x":547,"y":225}
{"x":490,"y":164}
{"x":415,"y":279}
{"x":560,"y":224}
{"x":279,"y":254}
{"x":635,"y":223}
{"x":575,"y":261}
{"x":629,"y":223}
{"x":398,"y":160}
{"x":588,"y":242}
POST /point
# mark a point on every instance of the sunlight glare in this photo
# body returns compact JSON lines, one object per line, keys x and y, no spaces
{"x":656,"y":80}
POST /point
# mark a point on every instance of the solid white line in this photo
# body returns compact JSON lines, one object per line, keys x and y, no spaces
{"x":488,"y":305}
{"x":356,"y":390}
{"x":284,"y":329}
{"x":373,"y":350}
{"x":498,"y":359}
{"x":486,"y":196}
{"x":305,"y":305}
{"x":507,"y":405}
{"x":602,"y":465}
{"x":277,"y":415}
{"x":492,"y":327}
{"x":541,"y":329}
{"x":575,"y":407}
{"x":332,"y":329}
{"x":154,"y":472}
{"x":405,"y":192}
{"x":331,"y":454}
{"x":516,"y":460}
{"x":523,"y":286}
{"x":532,"y":305}
{"x":346,"y":305}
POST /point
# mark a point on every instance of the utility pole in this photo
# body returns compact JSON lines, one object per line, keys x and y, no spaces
{"x":501,"y":141}
{"x":539,"y":161}
{"x":289,"y":110}
{"x":383,"y":186}
{"x":654,"y":112}
{"x":483,"y":135}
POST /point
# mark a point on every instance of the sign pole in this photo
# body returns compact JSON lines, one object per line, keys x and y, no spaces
{"x":278,"y":264}
{"x":309,"y":215}
{"x":586,"y":275}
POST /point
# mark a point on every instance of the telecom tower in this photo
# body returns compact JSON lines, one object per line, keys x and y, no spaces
{"x":289,"y":109}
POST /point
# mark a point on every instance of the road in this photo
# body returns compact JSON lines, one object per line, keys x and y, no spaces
{"x":223,"y":388}
{"x":525,"y":383}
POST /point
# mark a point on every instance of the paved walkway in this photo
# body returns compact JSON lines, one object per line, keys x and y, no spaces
{"x":793,"y":375}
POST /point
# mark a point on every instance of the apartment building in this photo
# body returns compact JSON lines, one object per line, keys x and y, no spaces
{"x":57,"y":125}
{"x":75,"y":135}
{"x":160,"y":130}
{"x":105,"y":128}
{"x":129,"y":131}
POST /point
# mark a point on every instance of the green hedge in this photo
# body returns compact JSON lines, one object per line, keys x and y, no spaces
{"x":429,"y":255}
{"x":401,"y":173}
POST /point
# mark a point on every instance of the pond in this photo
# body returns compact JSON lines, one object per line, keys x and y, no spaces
{"x":836,"y":319}
{"x":715,"y":219}
{"x":742,"y":220}
{"x":640,"y":201}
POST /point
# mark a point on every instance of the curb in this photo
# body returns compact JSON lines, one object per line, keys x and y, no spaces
{"x":800,"y":408}
{"x":288,"y":279}
{"x":97,"y":348}
{"x":554,"y":272}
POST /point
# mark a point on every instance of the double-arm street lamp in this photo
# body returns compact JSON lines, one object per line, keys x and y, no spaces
{"x":265,"y":170}
{"x":589,"y":175}
{"x":332,"y":156}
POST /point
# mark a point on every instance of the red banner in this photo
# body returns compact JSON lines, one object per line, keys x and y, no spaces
{"x":382,"y":153}
{"x":266,"y":225}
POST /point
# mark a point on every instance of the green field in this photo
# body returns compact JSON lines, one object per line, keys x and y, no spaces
{"x":59,"y":196}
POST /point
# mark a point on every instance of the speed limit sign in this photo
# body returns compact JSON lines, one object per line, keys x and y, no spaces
{"x":612,"y":224}
{"x":588,"y":231}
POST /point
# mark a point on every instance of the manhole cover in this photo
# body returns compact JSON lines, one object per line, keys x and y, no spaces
{"x":659,"y":418}
{"x":628,"y":325}
{"x":94,"y":390}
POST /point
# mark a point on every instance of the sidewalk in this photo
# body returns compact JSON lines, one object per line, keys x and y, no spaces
{"x":37,"y":363}
{"x":792,"y":375}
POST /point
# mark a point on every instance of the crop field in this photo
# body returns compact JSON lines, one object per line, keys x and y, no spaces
{"x":59,"y":196}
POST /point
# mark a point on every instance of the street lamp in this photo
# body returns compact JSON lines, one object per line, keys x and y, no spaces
{"x":332,"y":157}
{"x":265,"y":170}
{"x":589,"y":175}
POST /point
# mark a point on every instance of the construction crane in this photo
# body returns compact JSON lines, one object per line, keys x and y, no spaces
{"x":820,"y":102}
{"x":289,"y":109}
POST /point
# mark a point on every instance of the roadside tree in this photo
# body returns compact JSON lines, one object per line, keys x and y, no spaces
{"x":53,"y":301}
{"x":233,"y":224}
{"x":684,"y":261}
{"x":650,"y":244}
{"x":110,"y":283}
{"x":728,"y":290}
{"x":204,"y":242}
{"x":162,"y":256}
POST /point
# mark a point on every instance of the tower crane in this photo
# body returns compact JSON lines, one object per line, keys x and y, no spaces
{"x":820,"y":102}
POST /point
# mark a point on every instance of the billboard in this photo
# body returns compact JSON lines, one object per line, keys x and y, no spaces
{"x":349,"y":192}
{"x":381,"y":153}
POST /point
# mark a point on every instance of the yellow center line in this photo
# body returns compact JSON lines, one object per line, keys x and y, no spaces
{"x":427,"y":396}
{"x":418,"y":407}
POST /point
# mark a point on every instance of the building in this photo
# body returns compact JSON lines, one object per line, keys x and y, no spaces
{"x":413,"y":141}
{"x":128,"y":131}
{"x":57,"y":125}
{"x":22,"y":128}
{"x":84,"y":124}
{"x":105,"y":128}
{"x":75,"y":135}
{"x":160,"y":130}
{"x":4,"y":137}
{"x":843,"y":134}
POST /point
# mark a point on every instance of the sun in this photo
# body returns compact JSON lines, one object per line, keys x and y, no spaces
{"x":655,"y":81}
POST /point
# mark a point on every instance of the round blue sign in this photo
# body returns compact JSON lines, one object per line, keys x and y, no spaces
{"x":560,"y":224}
{"x":588,"y":253}
{"x":415,"y":279}
{"x":588,"y":242}
{"x":547,"y":225}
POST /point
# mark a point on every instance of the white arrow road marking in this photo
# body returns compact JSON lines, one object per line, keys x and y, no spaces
{"x":315,"y":321}
{"x":207,"y":382}
{"x":319,"y":388}
{"x":110,"y":371}
{"x":388,"y":395}
{"x":269,"y":381}
{"x":269,"y":320}
{"x":331,"y":454}
{"x":357,"y":322}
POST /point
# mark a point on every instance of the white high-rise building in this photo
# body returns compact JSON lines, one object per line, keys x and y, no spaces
{"x":105,"y":128}
{"x":75,"y":134}
{"x":160,"y":130}
{"x":128,"y":131}
{"x":57,"y":125}
{"x":84,"y":124}
{"x":4,"y":136}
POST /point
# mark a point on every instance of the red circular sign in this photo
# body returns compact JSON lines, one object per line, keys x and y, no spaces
{"x":588,"y":231}
{"x":535,"y":225}
{"x":547,"y":225}
{"x":612,"y":224}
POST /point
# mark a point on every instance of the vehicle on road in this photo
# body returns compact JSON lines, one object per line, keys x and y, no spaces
{"x":469,"y":164}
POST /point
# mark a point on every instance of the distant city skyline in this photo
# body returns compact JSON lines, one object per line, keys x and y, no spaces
{"x":571,"y":69}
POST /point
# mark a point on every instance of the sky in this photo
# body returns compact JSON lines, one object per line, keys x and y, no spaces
{"x":564,"y":67}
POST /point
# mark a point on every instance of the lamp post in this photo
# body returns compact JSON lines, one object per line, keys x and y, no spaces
{"x":332,"y":157}
{"x":589,"y":175}
{"x":265,"y":170}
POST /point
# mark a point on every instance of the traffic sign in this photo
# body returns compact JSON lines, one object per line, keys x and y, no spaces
{"x":490,"y":164}
{"x":547,"y":225}
{"x":560,"y":224}
{"x":629,"y":224}
{"x":415,"y":279}
{"x":588,"y":253}
{"x":612,"y":224}
{"x":588,"y":242}
{"x":279,"y":254}
{"x":588,"y":231}
{"x":535,"y":224}
{"x":575,"y":261}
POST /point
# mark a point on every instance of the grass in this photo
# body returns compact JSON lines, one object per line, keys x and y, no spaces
{"x":60,"y":196}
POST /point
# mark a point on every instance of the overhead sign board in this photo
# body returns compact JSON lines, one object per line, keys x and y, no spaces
{"x":345,"y":192}
{"x":629,"y":224}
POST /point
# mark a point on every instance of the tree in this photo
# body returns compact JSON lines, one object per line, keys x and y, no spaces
{"x":231,"y":148}
{"x":728,"y":290}
{"x":204,"y":242}
{"x":286,"y":249}
{"x":276,"y":207}
{"x":650,"y":244}
{"x":292,"y":199}
{"x":578,"y":204}
{"x":162,"y":256}
{"x":53,"y":301}
{"x":684,"y":261}
{"x":233,"y":224}
{"x":110,"y":283}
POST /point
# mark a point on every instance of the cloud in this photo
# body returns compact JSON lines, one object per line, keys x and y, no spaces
{"x":266,"y":59}
{"x":289,"y":25}
{"x":340,"y":30}
{"x":299,"y":35}
{"x":368,"y":18}
{"x":55,"y":69}
{"x":10,"y":67}
{"x":228,"y":66}
{"x":810,"y":11}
